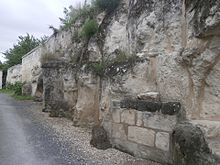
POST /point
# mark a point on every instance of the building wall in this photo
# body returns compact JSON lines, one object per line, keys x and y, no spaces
{"x":56,"y":46}
{"x":14,"y":74}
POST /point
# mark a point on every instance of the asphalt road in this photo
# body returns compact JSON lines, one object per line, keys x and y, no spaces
{"x":25,"y":141}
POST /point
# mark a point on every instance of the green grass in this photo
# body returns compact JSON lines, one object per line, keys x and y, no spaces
{"x":17,"y":97}
{"x":6,"y":91}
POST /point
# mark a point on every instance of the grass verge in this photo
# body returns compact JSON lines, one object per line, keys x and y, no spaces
{"x":17,"y":97}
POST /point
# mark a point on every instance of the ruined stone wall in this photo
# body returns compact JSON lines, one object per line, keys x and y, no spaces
{"x":177,"y":64}
{"x":57,"y":46}
{"x":143,"y":127}
{"x":14,"y":74}
{"x":180,"y":66}
{"x":155,"y":64}
{"x":69,"y":95}
{"x":31,"y":70}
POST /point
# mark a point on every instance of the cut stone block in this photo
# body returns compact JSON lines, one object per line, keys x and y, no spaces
{"x":116,"y":115}
{"x":141,"y":135}
{"x":159,"y":121}
{"x":150,"y":96}
{"x":128,"y":117}
{"x":139,"y":121}
{"x":163,"y":141}
{"x":118,"y":131}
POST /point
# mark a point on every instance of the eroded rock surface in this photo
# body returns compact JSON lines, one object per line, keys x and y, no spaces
{"x":151,"y":65}
{"x":191,"y":147}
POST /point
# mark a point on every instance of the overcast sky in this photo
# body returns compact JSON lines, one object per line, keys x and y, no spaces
{"x":18,"y":17}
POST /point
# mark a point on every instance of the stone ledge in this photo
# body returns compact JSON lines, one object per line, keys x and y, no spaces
{"x":167,"y":108}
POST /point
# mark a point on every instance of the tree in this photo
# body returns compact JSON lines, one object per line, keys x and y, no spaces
{"x":25,"y":44}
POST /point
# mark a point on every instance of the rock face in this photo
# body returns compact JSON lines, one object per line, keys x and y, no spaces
{"x":100,"y":138}
{"x":206,"y":17}
{"x":66,"y":95}
{"x":151,"y":65}
{"x":191,"y":147}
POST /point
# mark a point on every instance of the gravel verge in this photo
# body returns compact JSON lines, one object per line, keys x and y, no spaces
{"x":79,"y":140}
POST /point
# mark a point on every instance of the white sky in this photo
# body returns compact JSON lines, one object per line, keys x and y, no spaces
{"x":18,"y":17}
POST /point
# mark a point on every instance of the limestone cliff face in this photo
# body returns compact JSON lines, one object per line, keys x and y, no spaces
{"x":179,"y":65}
{"x":151,"y":64}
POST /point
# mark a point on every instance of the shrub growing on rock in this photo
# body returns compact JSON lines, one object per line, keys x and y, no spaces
{"x":17,"y":88}
{"x":90,"y":28}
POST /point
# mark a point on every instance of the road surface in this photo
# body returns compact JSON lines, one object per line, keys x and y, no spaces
{"x":25,"y":141}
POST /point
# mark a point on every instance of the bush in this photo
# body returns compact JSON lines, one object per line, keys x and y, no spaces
{"x":107,"y":5}
{"x":17,"y":88}
{"x":122,"y":56}
{"x":90,"y":28}
{"x":98,"y":68}
{"x":72,"y":14}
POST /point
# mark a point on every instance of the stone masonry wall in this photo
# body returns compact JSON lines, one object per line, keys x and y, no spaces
{"x":143,"y":128}
{"x":57,"y":45}
{"x":165,"y":62}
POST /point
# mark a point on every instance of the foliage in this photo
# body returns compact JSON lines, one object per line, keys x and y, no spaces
{"x":122,"y":59}
{"x":98,"y":68}
{"x":122,"y":56}
{"x":72,"y":14}
{"x":25,"y":44}
{"x":17,"y":88}
{"x":1,"y":66}
{"x":89,"y":28}
{"x":22,"y":97}
{"x":106,"y":5}
{"x":17,"y":97}
{"x":55,"y":30}
{"x":43,"y":39}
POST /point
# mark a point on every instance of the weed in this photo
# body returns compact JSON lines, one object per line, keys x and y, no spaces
{"x":90,"y":28}
{"x":97,"y":68}
{"x":15,"y":90}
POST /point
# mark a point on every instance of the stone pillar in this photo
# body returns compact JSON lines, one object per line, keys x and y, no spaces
{"x":53,"y":88}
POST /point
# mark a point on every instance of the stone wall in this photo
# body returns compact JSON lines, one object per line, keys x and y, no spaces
{"x":14,"y":74}
{"x":1,"y":78}
{"x":150,"y":67}
{"x":67,"y":95}
{"x":56,"y":46}
{"x":143,"y":127}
